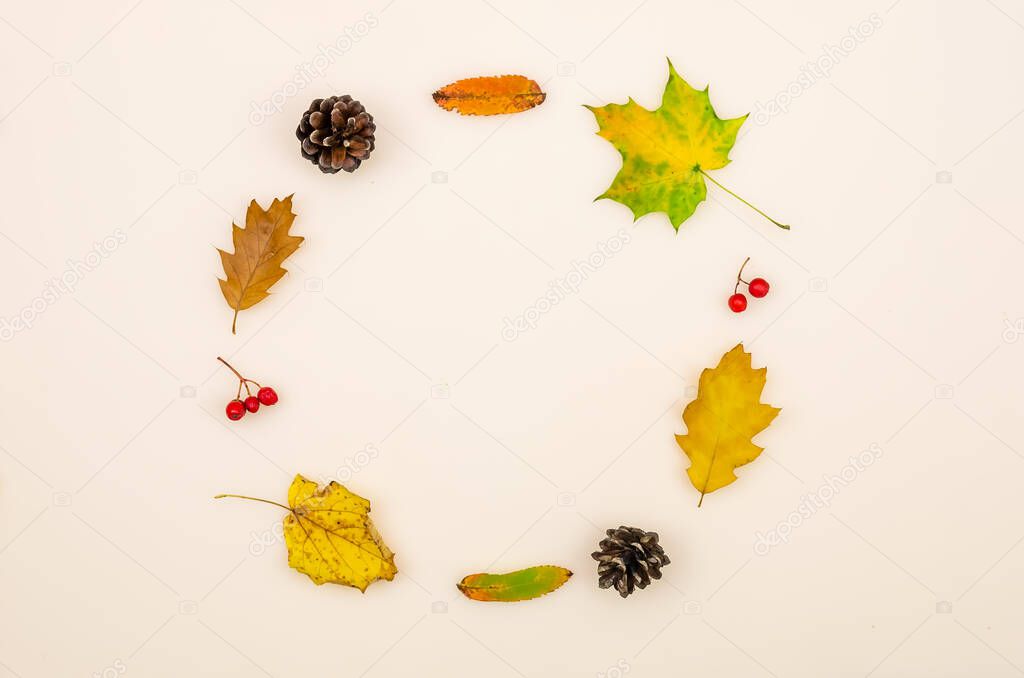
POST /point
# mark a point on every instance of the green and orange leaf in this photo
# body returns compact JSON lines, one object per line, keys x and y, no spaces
{"x":532,"y":582}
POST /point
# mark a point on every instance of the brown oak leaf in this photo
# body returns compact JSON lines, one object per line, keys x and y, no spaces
{"x":260,"y":249}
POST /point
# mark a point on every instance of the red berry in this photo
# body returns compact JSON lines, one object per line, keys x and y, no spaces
{"x":252,"y":403}
{"x":235,"y":410}
{"x":267,"y":395}
{"x":758,"y":287}
{"x":738,"y":303}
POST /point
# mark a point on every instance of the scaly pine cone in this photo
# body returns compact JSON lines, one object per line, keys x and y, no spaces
{"x":336,"y":134}
{"x":629,"y":558}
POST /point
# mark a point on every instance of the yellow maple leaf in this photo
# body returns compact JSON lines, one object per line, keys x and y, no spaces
{"x":722,"y":421}
{"x":667,"y":152}
{"x":260,"y":249}
{"x":330,"y":536}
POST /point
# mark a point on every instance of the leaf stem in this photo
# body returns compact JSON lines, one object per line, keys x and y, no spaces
{"x":712,"y":180}
{"x":234,"y":320}
{"x":242,"y":496}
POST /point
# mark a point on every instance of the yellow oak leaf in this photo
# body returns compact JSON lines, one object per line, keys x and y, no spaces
{"x":722,"y":421}
{"x":330,"y":536}
{"x":260,"y":249}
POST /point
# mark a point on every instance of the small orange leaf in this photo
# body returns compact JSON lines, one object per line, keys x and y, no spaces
{"x":491,"y":95}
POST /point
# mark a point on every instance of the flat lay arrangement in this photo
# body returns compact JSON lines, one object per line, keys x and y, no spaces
{"x":665,"y":154}
{"x":511,"y":338}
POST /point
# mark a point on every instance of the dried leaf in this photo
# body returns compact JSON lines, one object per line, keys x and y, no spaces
{"x":667,"y":152}
{"x":532,"y":582}
{"x":723,"y":419}
{"x":492,"y":95}
{"x":330,"y":536}
{"x":260,"y":249}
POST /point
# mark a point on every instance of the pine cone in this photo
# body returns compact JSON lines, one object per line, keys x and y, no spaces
{"x":629,"y":558}
{"x":336,"y":134}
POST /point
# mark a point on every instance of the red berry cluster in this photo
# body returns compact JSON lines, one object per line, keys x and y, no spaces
{"x":237,"y":408}
{"x":758,"y":287}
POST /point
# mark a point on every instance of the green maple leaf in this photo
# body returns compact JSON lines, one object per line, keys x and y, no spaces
{"x":666,"y":152}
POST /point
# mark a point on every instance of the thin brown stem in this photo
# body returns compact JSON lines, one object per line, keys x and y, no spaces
{"x":740,"y":279}
{"x":228,"y":365}
{"x":712,"y":180}
{"x":234,"y":321}
{"x":242,"y":496}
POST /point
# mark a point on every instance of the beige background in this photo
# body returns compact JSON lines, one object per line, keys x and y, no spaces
{"x":895,"y":320}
